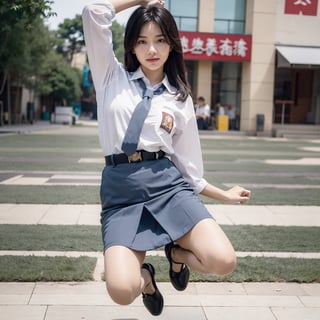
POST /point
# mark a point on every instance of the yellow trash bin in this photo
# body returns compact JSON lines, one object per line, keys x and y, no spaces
{"x":223,"y":122}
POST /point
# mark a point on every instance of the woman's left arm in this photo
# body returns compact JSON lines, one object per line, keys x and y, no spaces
{"x":188,"y":159}
{"x":187,"y":149}
{"x":236,"y":194}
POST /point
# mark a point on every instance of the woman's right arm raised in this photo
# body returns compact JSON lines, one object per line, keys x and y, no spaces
{"x":97,"y":20}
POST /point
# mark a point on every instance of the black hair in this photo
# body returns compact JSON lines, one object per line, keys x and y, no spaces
{"x":174,"y":67}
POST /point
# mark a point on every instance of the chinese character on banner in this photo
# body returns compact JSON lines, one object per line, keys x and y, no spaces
{"x":214,"y":46}
{"x":304,"y":7}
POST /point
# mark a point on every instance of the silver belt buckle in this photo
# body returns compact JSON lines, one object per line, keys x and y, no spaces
{"x":135,"y":157}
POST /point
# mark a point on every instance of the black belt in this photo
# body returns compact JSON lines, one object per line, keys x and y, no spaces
{"x":138,"y":156}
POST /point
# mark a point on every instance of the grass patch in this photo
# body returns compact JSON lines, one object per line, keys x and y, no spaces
{"x":50,"y":194}
{"x":88,"y":238}
{"x":274,"y":238}
{"x":274,"y":196}
{"x":91,"y":195}
{"x":257,"y":269}
{"x":254,"y":269}
{"x":251,"y":269}
{"x":31,"y":268}
{"x":50,"y":238}
{"x":66,"y":141}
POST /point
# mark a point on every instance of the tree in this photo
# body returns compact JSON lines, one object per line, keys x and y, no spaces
{"x":71,"y":38}
{"x":70,"y":34}
{"x":16,"y":17}
{"x":63,"y":81}
{"x":13,"y":15}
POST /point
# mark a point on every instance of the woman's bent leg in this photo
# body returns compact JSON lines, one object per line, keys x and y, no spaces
{"x":206,"y":249}
{"x":125,"y":280}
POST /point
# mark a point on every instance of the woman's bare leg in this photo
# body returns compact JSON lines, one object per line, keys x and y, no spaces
{"x":125,"y":280}
{"x":206,"y":249}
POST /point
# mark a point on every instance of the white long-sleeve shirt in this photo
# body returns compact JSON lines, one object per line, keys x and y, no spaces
{"x":170,"y":125}
{"x":203,"y":110}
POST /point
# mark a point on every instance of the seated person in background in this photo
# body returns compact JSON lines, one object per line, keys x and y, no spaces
{"x":220,"y":109}
{"x":202,"y":114}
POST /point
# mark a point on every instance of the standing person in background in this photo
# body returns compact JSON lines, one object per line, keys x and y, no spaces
{"x":152,"y":175}
{"x":231,"y":112}
{"x":202,"y":114}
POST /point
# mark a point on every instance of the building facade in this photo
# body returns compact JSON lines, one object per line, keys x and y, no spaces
{"x":260,"y":57}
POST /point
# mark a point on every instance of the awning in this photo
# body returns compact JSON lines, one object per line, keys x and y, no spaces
{"x":298,"y":56}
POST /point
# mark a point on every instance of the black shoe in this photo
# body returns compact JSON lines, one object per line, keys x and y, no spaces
{"x":153,"y":302}
{"x":178,"y":279}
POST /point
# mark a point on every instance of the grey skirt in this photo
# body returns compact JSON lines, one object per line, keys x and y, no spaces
{"x":146,"y":205}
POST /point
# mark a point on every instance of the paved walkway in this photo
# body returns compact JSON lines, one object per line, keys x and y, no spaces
{"x":201,"y":301}
{"x":67,"y":214}
{"x":26,"y":128}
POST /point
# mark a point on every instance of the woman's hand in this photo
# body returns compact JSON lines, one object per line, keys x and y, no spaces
{"x":237,"y":194}
{"x":120,"y":5}
{"x":154,"y":2}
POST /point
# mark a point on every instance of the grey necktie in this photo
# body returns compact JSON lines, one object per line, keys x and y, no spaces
{"x":131,"y":138}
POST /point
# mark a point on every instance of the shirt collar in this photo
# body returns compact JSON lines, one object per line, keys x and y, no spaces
{"x":139,"y":74}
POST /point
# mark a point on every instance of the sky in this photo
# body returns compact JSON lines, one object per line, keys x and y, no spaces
{"x":70,"y":8}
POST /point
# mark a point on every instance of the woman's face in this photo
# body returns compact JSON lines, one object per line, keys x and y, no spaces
{"x":152,"y":50}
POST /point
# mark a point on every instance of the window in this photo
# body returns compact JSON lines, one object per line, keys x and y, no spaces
{"x":230,"y":16}
{"x":185,"y":13}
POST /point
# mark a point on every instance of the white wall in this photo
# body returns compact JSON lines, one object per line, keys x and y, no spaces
{"x":297,"y":29}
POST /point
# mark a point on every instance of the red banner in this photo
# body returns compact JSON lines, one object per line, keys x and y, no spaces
{"x":215,"y":46}
{"x":304,"y":7}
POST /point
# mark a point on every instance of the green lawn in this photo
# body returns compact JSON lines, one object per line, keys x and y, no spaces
{"x":91,"y":195}
{"x":31,"y":268}
{"x":88,"y":238}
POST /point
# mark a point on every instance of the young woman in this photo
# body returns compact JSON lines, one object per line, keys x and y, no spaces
{"x":149,"y":195}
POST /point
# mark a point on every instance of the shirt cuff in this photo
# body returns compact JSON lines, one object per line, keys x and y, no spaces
{"x":200,"y":186}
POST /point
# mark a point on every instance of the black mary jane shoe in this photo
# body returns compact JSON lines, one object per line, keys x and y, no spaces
{"x":178,"y":279}
{"x":153,"y":302}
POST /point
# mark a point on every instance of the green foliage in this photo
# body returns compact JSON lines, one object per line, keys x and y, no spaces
{"x":27,"y":50}
{"x":15,"y":11}
{"x":20,"y":19}
{"x":64,"y":81}
{"x":117,"y":36}
{"x":24,"y":47}
{"x":30,"y":59}
{"x":28,"y":56}
{"x":70,"y":36}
